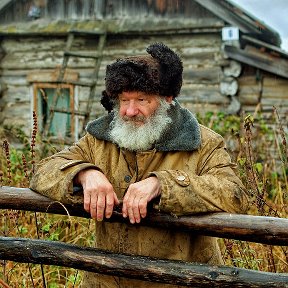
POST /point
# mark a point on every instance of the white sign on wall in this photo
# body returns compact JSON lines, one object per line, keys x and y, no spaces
{"x":230,"y":33}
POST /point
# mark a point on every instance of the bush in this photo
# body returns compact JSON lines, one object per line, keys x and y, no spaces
{"x":260,"y":150}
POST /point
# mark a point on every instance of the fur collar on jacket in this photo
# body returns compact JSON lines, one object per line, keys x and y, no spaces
{"x":182,"y":135}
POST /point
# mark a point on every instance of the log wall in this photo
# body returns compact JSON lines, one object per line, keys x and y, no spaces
{"x":99,"y":9}
{"x":24,"y":56}
{"x":260,"y":90}
{"x":211,"y":82}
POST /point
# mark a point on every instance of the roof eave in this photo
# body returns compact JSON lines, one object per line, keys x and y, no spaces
{"x":146,"y":26}
{"x":236,"y":16}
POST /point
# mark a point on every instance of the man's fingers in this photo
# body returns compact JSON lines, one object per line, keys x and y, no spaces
{"x":135,"y":203}
{"x":143,"y":207}
{"x":99,"y":195}
{"x":93,"y":205}
{"x":125,"y":206}
{"x":130,"y":213}
{"x":87,"y":199}
{"x":116,"y":200}
{"x":135,"y":210}
{"x":128,"y":207}
{"x":101,"y":204}
{"x":87,"y":203}
{"x":109,"y":205}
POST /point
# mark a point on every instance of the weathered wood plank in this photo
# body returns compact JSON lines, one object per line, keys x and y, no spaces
{"x":249,"y":90}
{"x":202,"y":95}
{"x":27,"y":44}
{"x":210,"y":75}
{"x":255,"y":58}
{"x":91,"y":9}
{"x":32,"y":54}
{"x":135,"y":267}
{"x":203,"y":108}
{"x":274,"y":92}
{"x":248,"y":98}
{"x":274,"y":102}
{"x":272,"y":81}
{"x":223,"y":11}
{"x":269,"y":230}
{"x":52,"y":75}
{"x":262,"y":44}
{"x":13,"y":110}
{"x":16,"y":94}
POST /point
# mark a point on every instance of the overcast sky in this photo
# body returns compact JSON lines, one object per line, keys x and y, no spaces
{"x":273,"y":13}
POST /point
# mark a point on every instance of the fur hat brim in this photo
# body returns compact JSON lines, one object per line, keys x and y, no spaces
{"x":159,"y":73}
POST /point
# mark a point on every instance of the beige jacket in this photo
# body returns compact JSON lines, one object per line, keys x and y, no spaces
{"x":196,"y":176}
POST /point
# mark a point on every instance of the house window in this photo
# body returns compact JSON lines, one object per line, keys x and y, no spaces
{"x":61,"y":125}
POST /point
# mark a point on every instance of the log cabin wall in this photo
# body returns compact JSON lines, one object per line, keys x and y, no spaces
{"x":29,"y":55}
{"x":261,"y":91}
{"x":80,"y":10}
{"x":212,"y":82}
{"x":199,"y":47}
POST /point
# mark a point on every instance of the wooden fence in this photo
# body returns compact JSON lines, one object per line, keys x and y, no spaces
{"x":260,"y":229}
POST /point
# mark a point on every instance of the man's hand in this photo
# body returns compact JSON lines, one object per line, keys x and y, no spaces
{"x":137,"y":197}
{"x":99,"y":195}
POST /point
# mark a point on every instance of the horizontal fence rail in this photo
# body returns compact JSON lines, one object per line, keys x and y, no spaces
{"x":268,"y":230}
{"x":136,"y":267}
{"x":259,"y":229}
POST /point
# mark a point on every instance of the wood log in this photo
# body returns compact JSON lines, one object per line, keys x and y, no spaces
{"x":136,"y":267}
{"x":255,"y":58}
{"x":209,"y":95}
{"x":260,"y":229}
{"x":51,"y":75}
{"x":233,"y":69}
{"x":210,"y":75}
{"x":228,"y":86}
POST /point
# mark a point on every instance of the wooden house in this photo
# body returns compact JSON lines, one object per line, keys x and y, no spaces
{"x":232,"y":61}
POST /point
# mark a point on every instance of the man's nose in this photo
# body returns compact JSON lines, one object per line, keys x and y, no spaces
{"x":132,"y":109}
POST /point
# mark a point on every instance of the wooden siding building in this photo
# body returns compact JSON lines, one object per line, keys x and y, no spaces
{"x":232,"y":61}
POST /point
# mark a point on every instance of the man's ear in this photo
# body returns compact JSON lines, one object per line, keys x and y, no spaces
{"x":169,"y":99}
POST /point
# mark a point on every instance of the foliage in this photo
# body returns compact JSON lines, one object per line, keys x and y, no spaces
{"x":259,"y":147}
{"x":17,"y":166}
{"x":257,"y":144}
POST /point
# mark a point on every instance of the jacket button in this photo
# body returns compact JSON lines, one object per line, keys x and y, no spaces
{"x":180,"y":178}
{"x":127,"y":178}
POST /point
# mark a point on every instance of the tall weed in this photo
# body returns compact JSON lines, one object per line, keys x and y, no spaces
{"x":17,"y":167}
{"x":258,"y":146}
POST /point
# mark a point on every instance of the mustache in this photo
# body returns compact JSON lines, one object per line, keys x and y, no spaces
{"x":136,"y":118}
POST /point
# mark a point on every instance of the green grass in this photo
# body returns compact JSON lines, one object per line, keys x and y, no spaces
{"x":259,"y":150}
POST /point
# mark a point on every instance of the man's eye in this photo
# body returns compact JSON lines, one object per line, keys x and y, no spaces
{"x":142,"y":101}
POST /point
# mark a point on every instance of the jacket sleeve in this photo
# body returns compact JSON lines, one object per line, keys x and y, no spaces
{"x":214,"y":187}
{"x":54,"y":175}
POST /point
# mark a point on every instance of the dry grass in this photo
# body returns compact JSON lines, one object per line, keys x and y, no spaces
{"x":259,"y":149}
{"x":74,"y":230}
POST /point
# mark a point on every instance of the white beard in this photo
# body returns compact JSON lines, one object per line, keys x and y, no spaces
{"x":127,"y":134}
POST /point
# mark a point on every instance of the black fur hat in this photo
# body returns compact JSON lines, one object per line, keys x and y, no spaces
{"x":159,"y":72}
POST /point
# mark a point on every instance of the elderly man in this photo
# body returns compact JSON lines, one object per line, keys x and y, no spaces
{"x":147,"y":149}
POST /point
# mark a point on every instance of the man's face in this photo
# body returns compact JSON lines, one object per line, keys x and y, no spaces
{"x":138,"y":106}
{"x":139,"y":120}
